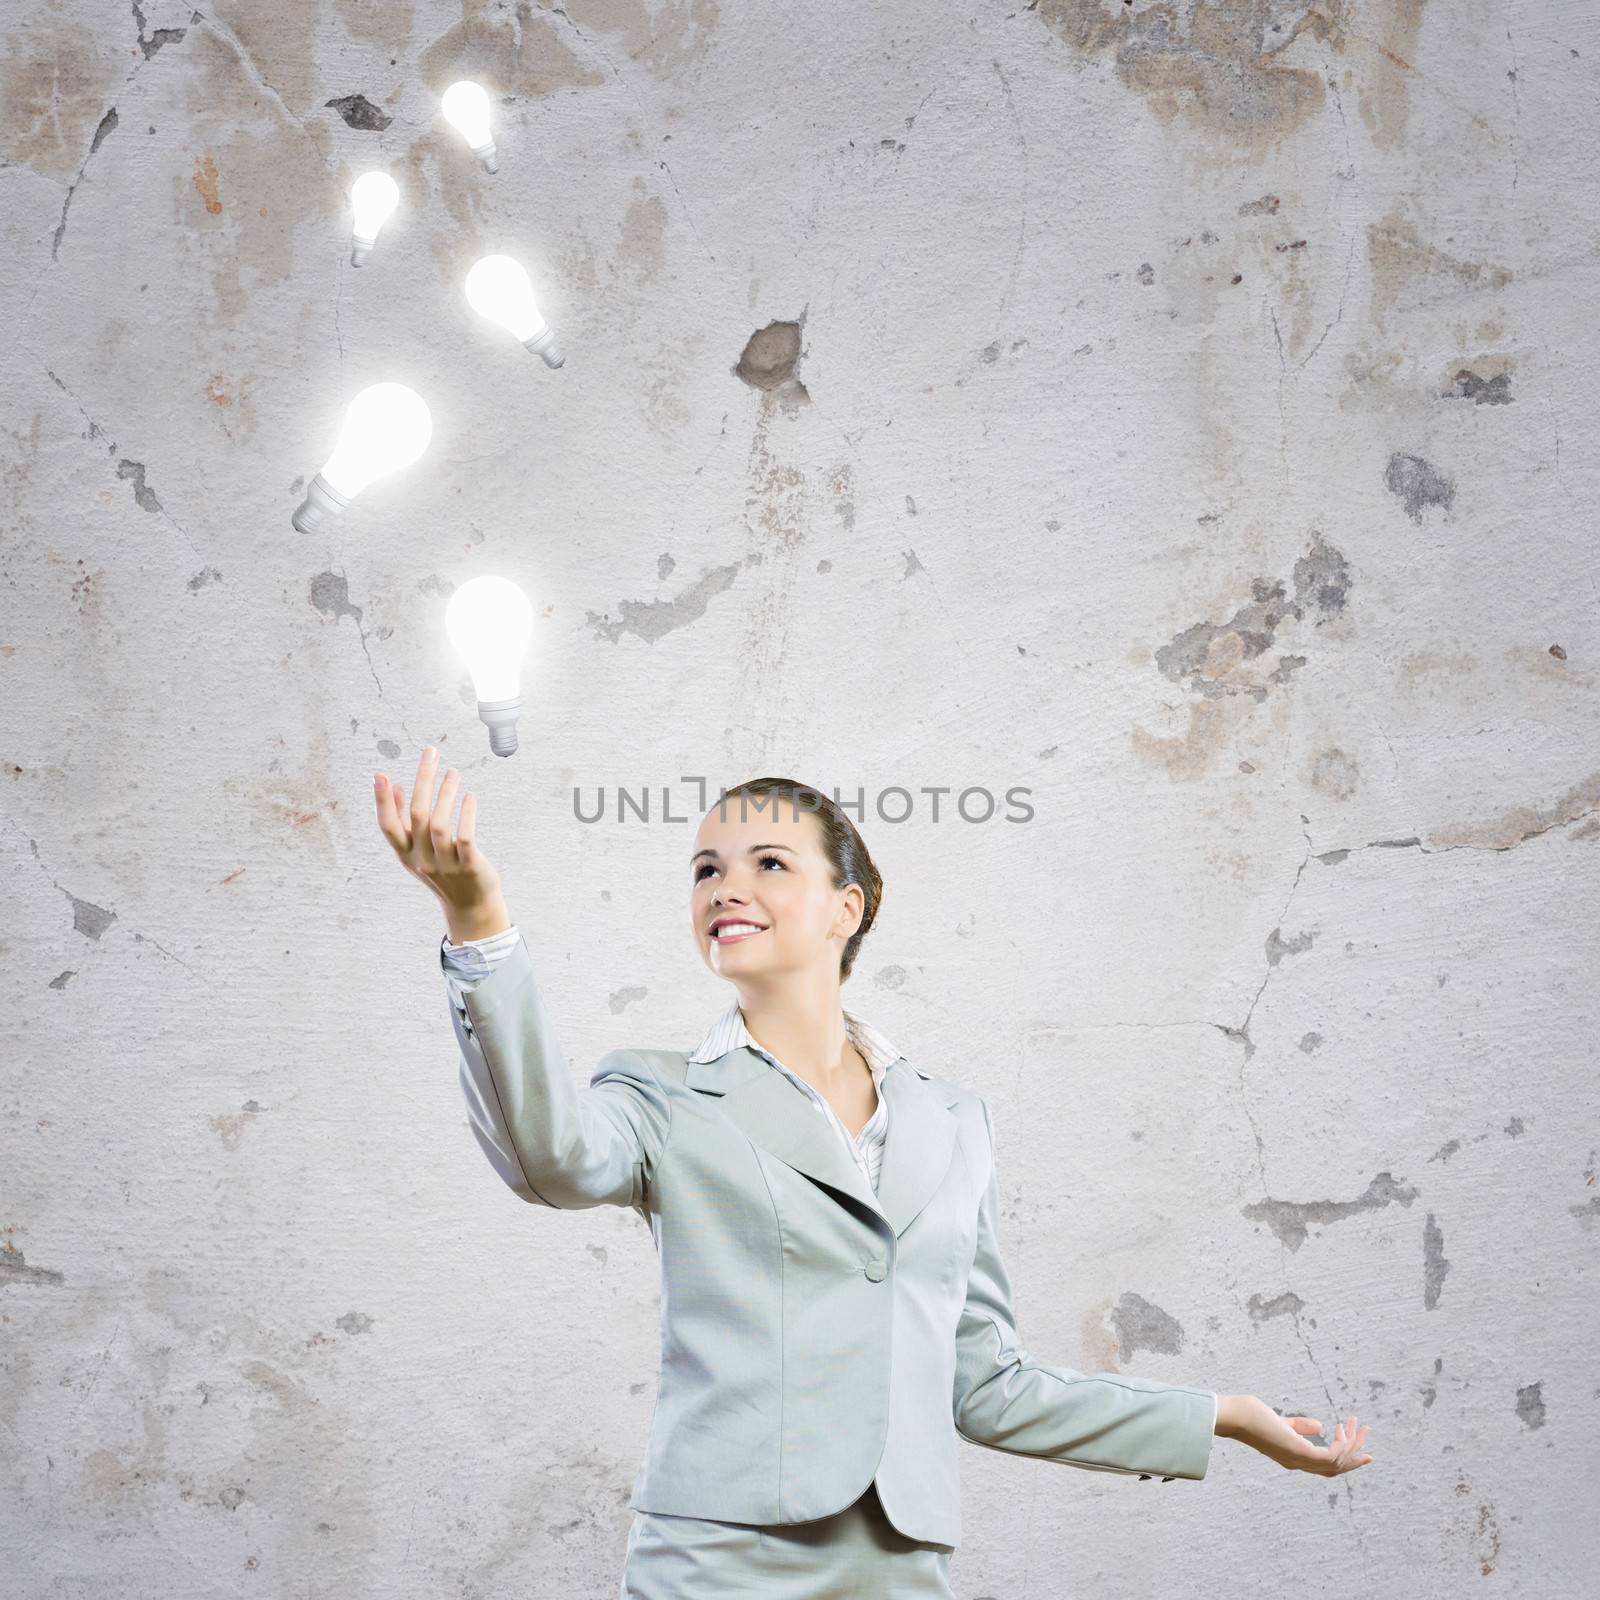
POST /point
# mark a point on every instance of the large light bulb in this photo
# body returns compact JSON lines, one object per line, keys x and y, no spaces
{"x":499,"y":289}
{"x":466,"y":109}
{"x":373,"y":197}
{"x":385,"y":428}
{"x":489,"y":621}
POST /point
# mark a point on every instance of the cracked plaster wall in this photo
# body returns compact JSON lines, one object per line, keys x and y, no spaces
{"x":1177,"y":409}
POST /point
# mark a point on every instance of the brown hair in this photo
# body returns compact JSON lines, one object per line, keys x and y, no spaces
{"x":845,"y":849}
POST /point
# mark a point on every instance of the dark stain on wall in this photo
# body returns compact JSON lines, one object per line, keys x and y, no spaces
{"x":360,"y":113}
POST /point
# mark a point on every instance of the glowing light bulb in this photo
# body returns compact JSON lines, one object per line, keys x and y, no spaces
{"x":499,"y":289}
{"x":373,"y":197}
{"x":489,"y":621}
{"x":385,"y":428}
{"x":466,"y":109}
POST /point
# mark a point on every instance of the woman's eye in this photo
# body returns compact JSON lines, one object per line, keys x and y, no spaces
{"x":706,"y":866}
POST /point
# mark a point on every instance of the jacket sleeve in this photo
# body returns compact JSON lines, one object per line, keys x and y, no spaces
{"x":1006,"y":1400}
{"x":550,"y":1141}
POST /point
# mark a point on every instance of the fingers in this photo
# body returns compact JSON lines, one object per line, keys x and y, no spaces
{"x":421,"y":808}
{"x":444,"y":849}
{"x":390,"y":818}
{"x":466,"y":828}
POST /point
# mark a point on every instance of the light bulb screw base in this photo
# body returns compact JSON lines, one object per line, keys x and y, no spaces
{"x":500,"y":716}
{"x":544,"y":344}
{"x":360,"y":249}
{"x":322,"y":502}
{"x":488,"y":155}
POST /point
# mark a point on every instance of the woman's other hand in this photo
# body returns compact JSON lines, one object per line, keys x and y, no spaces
{"x":453,"y":867}
{"x":1285,"y":1439}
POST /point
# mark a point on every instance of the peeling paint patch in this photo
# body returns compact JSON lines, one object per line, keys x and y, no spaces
{"x":1310,"y":1043}
{"x":142,"y":492}
{"x":1278,"y":947}
{"x":108,"y":124}
{"x":14,"y":1268}
{"x":360,"y":113}
{"x":330,"y":594}
{"x":1530,"y":1404}
{"x":160,"y":37}
{"x":1418,"y":484}
{"x":620,"y":999}
{"x":354,"y":1322}
{"x":768,"y":363}
{"x":1292,"y":1220}
{"x":62,"y":979}
{"x":1140,"y":1325}
{"x":205,"y":576}
{"x":1469,"y":385}
{"x":1287,"y":1304}
{"x":651,"y":620}
{"x":89,"y":919}
{"x":1212,"y":657}
{"x":1435,"y":1266}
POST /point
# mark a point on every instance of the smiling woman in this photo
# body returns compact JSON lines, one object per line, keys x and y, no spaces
{"x":836,"y":1311}
{"x":829,"y":839}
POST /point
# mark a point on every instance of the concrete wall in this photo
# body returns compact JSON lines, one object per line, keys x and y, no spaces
{"x":1180,"y":410}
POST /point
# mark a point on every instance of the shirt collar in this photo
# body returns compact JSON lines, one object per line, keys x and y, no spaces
{"x":729,"y":1032}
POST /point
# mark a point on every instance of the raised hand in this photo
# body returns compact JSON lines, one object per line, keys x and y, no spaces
{"x":460,"y":876}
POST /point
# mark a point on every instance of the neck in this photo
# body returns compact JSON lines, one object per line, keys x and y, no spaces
{"x":803,"y":1025}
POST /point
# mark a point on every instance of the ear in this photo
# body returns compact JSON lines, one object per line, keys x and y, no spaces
{"x":851,"y":912}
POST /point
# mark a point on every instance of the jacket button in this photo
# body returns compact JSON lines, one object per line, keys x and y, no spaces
{"x":1143,"y":1476}
{"x":1169,"y":1477}
{"x":876,"y":1270}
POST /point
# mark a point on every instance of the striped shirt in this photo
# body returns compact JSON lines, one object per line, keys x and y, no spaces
{"x":468,"y":964}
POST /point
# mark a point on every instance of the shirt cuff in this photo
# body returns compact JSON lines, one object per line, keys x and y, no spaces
{"x":474,"y":959}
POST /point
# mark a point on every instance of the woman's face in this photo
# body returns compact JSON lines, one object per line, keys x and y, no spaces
{"x":758,"y":860}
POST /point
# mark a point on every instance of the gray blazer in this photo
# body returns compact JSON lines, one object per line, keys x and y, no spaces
{"x":810,"y":1342}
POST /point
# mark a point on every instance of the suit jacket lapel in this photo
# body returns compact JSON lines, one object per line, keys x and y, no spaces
{"x":765,"y":1106}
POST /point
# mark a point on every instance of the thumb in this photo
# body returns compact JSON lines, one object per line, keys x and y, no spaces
{"x":1305,"y":1425}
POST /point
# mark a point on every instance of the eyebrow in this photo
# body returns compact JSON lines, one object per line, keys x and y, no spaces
{"x":751,"y":851}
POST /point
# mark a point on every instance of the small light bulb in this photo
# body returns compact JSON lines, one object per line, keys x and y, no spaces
{"x":466,"y":109}
{"x":499,"y":289}
{"x":385,"y":428}
{"x":373,"y":197}
{"x":489,"y":621}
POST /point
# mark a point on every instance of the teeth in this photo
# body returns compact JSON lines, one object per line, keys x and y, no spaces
{"x":728,"y":928}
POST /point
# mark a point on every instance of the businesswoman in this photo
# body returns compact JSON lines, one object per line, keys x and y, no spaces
{"x":835,"y":1311}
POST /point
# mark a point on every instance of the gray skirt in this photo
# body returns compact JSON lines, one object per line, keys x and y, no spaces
{"x":856,"y":1554}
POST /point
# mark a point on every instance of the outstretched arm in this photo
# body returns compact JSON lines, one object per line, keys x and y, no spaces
{"x":551,"y":1142}
{"x":1103,"y":1421}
